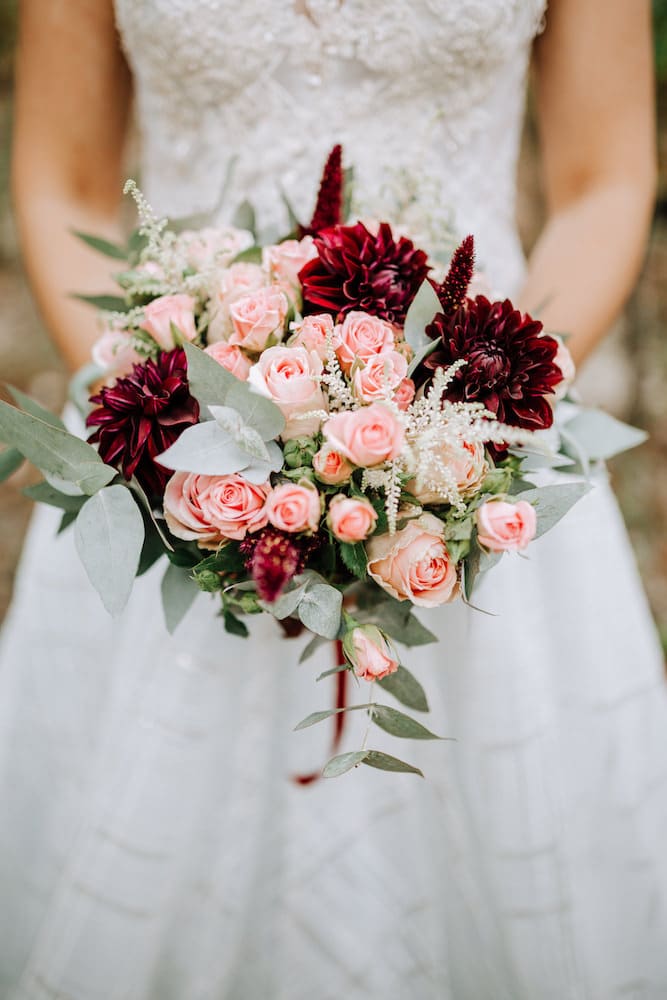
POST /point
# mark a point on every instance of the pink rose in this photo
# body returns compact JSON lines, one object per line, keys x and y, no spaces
{"x":404,"y":394}
{"x":360,"y":336}
{"x":231,"y":284}
{"x":256,"y":317}
{"x":294,"y":507}
{"x":290,"y":376}
{"x":211,"y":509}
{"x":369,"y":653}
{"x":220,"y":244}
{"x":368,"y":436}
{"x":166,"y":312}
{"x":505,"y":527}
{"x":230,"y":357}
{"x":466,"y":464}
{"x":351,"y":519}
{"x":414,"y":564}
{"x":114,"y":352}
{"x":380,"y":376}
{"x":331,"y":467}
{"x":312,"y":334}
{"x":283,"y":261}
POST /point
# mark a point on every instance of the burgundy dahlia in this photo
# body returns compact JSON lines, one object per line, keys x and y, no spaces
{"x":357,"y":269}
{"x":454,"y":289}
{"x":329,"y":207}
{"x":141,"y":415}
{"x":273,"y":557}
{"x":510,"y":362}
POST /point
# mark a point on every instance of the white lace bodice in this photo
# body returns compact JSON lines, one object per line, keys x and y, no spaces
{"x":426,"y":97}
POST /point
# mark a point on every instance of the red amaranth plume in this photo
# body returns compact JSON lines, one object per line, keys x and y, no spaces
{"x":273,"y":557}
{"x":329,"y":207}
{"x":453,"y":290}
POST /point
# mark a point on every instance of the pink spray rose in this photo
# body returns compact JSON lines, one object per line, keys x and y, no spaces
{"x":284,"y":260}
{"x":466,"y":464}
{"x":505,"y":527}
{"x":290,"y":376}
{"x":351,"y":519}
{"x":312,"y":334}
{"x":114,"y":352}
{"x":368,"y":436}
{"x":211,"y":509}
{"x":230,"y":357}
{"x":380,"y":376}
{"x":331,"y":467}
{"x":414,"y":564}
{"x":166,"y":312}
{"x":361,"y":336}
{"x":369,"y":653}
{"x":221,"y":244}
{"x":294,"y":507}
{"x":231,"y":284}
{"x":257,"y":316}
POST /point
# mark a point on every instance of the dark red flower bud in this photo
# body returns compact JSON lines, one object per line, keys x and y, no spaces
{"x":453,"y":290}
{"x":329,"y":206}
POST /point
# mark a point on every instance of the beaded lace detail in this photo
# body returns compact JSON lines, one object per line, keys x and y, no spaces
{"x":425,"y":95}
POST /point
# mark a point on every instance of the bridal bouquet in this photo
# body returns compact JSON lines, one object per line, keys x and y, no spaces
{"x":322,"y":418}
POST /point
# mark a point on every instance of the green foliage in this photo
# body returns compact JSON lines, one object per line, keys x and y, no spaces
{"x":660,"y":30}
{"x":354,"y":558}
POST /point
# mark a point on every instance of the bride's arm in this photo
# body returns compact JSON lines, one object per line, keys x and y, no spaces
{"x":596,"y":119}
{"x":71,"y":110}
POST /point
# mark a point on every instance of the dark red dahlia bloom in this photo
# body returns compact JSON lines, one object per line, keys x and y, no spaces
{"x":329,"y":207}
{"x":356,"y":269}
{"x":273,"y":557}
{"x":142,"y":414}
{"x":454,"y":289}
{"x":510,"y":362}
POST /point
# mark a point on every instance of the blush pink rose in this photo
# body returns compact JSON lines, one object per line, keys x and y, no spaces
{"x":331,"y":467}
{"x":257,"y":316}
{"x":370,"y":653}
{"x":404,"y":394}
{"x":283,"y":261}
{"x":221,"y":244}
{"x":351,"y":519}
{"x":166,"y":312}
{"x":231,"y":284}
{"x":467,"y":465}
{"x":368,"y":436}
{"x":380,"y":376}
{"x":230,"y":357}
{"x":505,"y":527}
{"x":294,"y":507}
{"x":114,"y":352}
{"x":312,"y":334}
{"x":360,"y":336}
{"x":212,"y":509}
{"x":414,"y":564}
{"x":290,"y":376}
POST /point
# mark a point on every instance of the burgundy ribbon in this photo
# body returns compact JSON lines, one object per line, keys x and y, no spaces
{"x":338,"y":719}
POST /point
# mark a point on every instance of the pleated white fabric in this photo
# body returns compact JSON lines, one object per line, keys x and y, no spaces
{"x":152,"y":843}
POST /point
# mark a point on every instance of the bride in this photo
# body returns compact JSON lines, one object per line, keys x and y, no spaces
{"x":152,"y":844}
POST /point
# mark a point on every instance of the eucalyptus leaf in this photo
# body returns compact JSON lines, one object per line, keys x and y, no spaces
{"x":385,"y":762}
{"x":105,"y":247}
{"x":54,"y":450}
{"x":209,"y":382}
{"x":320,"y":610}
{"x":244,"y":217}
{"x":45,"y":493}
{"x":421,"y":356}
{"x":315,"y":717}
{"x":205,"y":449}
{"x":344,"y":762}
{"x":138,"y":491}
{"x":234,"y":625}
{"x":414,"y":633}
{"x":553,"y":502}
{"x":178,"y":593}
{"x":260,"y":413}
{"x":31,"y":406}
{"x":311,"y":648}
{"x":601,"y":436}
{"x":109,"y":534}
{"x":406,"y":689}
{"x":341,"y":668}
{"x":286,"y":604}
{"x":11,"y":459}
{"x":106,"y":303}
{"x":398,"y":724}
{"x":423,"y":308}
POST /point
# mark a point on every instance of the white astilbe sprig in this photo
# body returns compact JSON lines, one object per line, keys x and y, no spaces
{"x":154,"y":229}
{"x":339,"y":392}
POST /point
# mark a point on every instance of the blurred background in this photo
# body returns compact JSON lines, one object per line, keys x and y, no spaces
{"x":628,"y":375}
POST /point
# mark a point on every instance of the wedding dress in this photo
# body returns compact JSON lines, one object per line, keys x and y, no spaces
{"x":153,"y":845}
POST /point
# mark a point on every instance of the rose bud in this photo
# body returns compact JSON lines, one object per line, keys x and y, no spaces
{"x":371,"y":656}
{"x":351,"y":519}
{"x":331,"y":467}
{"x":505,"y":527}
{"x":294,"y":507}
